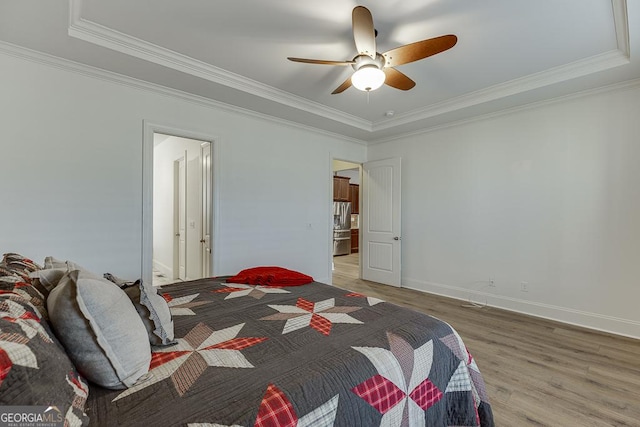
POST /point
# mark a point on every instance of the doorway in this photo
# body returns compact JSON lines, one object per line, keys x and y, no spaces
{"x":178,"y":207}
{"x":378,"y":223}
{"x":347,"y":178}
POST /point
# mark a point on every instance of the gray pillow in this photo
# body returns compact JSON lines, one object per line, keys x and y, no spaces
{"x":100,"y":329}
{"x":48,"y":278}
{"x":53,"y":271}
{"x":51,"y":262}
{"x":154,"y":312}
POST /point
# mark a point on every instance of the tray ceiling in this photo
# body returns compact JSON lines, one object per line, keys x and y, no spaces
{"x":508,"y":53}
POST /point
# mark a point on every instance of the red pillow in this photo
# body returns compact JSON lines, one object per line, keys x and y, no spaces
{"x":270,"y":276}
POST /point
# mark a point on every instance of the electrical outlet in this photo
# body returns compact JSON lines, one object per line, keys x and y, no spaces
{"x":524,"y":286}
{"x":492,"y":282}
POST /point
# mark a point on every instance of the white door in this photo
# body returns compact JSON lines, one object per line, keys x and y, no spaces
{"x":380,"y":228}
{"x":205,"y":241}
{"x":180,"y":217}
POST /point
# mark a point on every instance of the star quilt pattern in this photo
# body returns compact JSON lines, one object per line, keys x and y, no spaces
{"x":312,"y":355}
{"x":33,"y":364}
{"x":319,"y":315}
{"x":241,"y":290}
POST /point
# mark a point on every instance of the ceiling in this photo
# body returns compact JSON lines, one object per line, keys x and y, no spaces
{"x":509,"y":53}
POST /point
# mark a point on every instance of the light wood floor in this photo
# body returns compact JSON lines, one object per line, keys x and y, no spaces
{"x":538,"y":372}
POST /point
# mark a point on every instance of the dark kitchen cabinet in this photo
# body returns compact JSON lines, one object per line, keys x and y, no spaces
{"x":341,"y":188}
{"x":354,"y":240}
{"x":354,"y":198}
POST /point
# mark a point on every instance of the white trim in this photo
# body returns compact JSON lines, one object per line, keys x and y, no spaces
{"x":158,"y":266}
{"x":330,"y":215}
{"x":147,"y":204}
{"x":332,"y":157}
{"x":206,"y":147}
{"x":109,"y":76}
{"x":585,"y":319}
{"x":621,"y":24}
{"x":604,"y":61}
{"x":215,"y":212}
{"x":576,"y":69}
{"x":566,"y":72}
{"x":629,"y":84}
{"x":100,"y":35}
{"x":149,"y":129}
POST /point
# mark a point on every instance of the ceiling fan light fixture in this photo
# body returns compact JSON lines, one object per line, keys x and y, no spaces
{"x":368,"y":78}
{"x":373,"y":69}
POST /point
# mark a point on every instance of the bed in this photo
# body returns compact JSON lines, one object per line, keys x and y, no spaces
{"x":311,"y":355}
{"x":223,"y":352}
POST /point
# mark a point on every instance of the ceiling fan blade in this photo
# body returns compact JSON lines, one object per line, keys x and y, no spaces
{"x":418,"y":50}
{"x":363,"y":31}
{"x":344,"y":86}
{"x":395,"y":78}
{"x":320,"y":61}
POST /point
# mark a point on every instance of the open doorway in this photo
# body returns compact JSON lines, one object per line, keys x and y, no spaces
{"x":182,"y":209}
{"x":347,"y":178}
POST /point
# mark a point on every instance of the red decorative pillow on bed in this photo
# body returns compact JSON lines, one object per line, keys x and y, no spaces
{"x":270,"y":276}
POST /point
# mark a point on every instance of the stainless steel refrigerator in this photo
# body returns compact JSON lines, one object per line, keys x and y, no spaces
{"x":341,"y":228}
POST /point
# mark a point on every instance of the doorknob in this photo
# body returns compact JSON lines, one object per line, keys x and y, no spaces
{"x":397,"y":238}
{"x":177,"y":234}
{"x":202,"y":241}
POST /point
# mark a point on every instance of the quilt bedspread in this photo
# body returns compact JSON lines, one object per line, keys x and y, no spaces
{"x":312,"y":355}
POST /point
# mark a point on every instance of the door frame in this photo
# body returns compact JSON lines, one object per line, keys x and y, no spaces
{"x":330,"y":211}
{"x":179,"y":213}
{"x":206,"y":173}
{"x":149,"y":129}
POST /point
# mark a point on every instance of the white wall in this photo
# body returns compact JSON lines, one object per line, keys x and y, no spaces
{"x":352,"y":174}
{"x":71,"y":177}
{"x":166,"y":152}
{"x":547,"y":195}
{"x":347,"y":169}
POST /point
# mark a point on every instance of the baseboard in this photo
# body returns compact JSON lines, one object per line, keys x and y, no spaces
{"x":599,"y":322}
{"x":167,"y":271}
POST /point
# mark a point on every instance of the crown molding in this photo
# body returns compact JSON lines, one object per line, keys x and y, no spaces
{"x":97,"y":34}
{"x":621,"y":24}
{"x":23,"y":53}
{"x":604,"y":61}
{"x":607,"y":60}
{"x":559,"y":74}
{"x":100,"y":35}
{"x":626,"y":85}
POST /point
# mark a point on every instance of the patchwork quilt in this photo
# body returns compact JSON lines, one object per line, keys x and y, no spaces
{"x":312,"y":355}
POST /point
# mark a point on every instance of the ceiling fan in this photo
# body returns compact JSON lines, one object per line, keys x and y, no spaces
{"x":373,"y":69}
